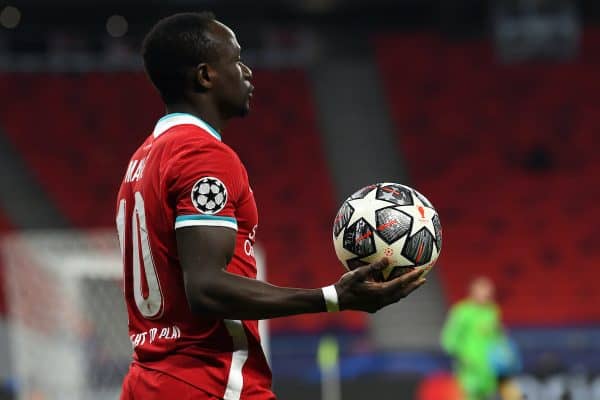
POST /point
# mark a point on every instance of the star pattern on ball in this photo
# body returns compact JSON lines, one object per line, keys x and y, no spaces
{"x":423,"y":218}
{"x":390,"y":220}
{"x":394,"y":193}
{"x":389,"y":196}
{"x":342,"y":253}
{"x":369,"y":202}
{"x":396,"y":259}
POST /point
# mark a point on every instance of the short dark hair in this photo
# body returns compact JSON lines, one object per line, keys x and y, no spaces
{"x":172,"y":46}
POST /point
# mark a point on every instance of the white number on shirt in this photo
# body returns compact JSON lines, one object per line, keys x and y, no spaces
{"x":151,"y":306}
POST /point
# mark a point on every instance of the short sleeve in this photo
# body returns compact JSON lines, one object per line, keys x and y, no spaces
{"x":204,"y":182}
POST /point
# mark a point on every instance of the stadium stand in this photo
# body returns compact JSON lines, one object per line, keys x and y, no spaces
{"x":87,"y":126}
{"x":506,"y":153}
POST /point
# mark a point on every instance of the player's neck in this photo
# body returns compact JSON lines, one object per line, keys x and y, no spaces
{"x":208,"y":115}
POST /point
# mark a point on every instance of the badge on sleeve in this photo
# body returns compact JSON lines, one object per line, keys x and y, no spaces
{"x":209,"y":195}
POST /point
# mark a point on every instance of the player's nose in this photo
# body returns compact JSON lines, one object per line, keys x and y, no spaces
{"x":247,"y":71}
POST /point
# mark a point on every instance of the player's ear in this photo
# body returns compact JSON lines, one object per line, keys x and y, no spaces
{"x":205,"y":76}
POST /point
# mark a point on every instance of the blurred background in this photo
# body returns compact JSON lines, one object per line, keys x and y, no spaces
{"x":489,"y":108}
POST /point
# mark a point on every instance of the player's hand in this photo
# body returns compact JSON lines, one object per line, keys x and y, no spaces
{"x":356,"y":291}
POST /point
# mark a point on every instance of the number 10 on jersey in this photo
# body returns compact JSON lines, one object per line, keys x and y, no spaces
{"x":149,"y":301}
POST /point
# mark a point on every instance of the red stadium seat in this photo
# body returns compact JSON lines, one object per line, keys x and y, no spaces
{"x":76,"y":133}
{"x":507,"y":155}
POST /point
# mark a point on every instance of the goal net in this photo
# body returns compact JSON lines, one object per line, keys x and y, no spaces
{"x":66,"y":314}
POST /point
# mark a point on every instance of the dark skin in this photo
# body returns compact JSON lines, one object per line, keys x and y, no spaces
{"x":216,"y":92}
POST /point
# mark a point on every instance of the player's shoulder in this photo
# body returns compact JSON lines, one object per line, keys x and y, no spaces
{"x":189,"y":142}
{"x":195,"y":142}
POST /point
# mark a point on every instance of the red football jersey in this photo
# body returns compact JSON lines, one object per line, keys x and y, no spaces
{"x":183,"y":175}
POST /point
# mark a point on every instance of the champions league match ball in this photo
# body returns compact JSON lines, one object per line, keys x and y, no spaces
{"x":388,"y":220}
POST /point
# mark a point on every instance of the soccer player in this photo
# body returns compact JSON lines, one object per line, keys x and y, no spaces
{"x":474,"y":337}
{"x":187,"y":221}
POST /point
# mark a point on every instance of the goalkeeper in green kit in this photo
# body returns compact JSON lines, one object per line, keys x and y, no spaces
{"x":471,"y":335}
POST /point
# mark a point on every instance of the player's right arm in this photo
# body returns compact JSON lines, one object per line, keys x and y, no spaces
{"x":204,"y":253}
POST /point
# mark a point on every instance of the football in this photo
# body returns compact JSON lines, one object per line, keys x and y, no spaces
{"x":388,"y":220}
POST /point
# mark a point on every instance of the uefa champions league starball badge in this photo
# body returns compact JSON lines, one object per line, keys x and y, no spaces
{"x":209,"y":195}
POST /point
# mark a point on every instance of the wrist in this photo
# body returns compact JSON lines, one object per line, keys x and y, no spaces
{"x":330,"y":296}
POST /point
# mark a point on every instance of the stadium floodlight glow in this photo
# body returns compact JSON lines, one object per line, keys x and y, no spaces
{"x":10,"y":17}
{"x":116,"y":26}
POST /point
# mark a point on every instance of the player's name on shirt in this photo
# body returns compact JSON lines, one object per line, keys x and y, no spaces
{"x":135,"y":170}
{"x":152,"y":335}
